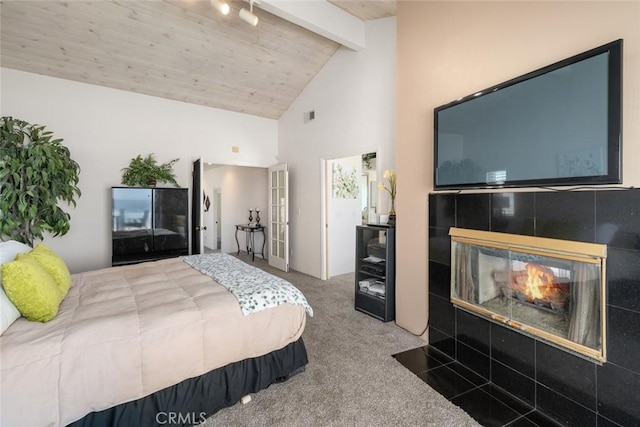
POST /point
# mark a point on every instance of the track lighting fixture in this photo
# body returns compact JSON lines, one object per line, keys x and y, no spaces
{"x":221,"y":6}
{"x":248,"y":16}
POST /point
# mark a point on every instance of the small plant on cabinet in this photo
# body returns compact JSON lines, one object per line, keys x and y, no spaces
{"x":146,"y":172}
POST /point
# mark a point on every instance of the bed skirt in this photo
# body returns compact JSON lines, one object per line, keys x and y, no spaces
{"x":191,"y":401}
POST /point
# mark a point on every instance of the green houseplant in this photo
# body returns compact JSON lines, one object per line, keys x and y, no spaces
{"x":146,"y":172}
{"x":36,"y":173}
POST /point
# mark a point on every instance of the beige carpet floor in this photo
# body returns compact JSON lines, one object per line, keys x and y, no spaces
{"x":351,"y":378}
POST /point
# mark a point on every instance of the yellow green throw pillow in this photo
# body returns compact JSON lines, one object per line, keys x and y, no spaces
{"x":54,"y":265}
{"x":31,"y":289}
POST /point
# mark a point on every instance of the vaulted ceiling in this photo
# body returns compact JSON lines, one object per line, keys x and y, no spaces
{"x":177,"y":49}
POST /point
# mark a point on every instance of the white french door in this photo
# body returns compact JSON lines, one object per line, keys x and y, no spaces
{"x":279,"y":217}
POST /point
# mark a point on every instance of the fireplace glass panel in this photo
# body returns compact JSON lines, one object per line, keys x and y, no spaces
{"x":553,"y":295}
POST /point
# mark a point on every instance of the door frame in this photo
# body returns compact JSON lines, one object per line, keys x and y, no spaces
{"x":324,"y":232}
{"x":197,"y":207}
{"x":217,"y":219}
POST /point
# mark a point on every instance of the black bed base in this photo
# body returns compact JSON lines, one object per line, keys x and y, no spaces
{"x":193,"y":400}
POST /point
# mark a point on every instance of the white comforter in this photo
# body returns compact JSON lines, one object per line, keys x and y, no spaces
{"x":124,"y":333}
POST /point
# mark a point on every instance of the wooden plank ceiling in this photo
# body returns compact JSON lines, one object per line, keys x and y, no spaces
{"x":176,"y":49}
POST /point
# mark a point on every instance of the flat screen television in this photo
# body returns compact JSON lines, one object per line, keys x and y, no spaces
{"x":559,"y":125}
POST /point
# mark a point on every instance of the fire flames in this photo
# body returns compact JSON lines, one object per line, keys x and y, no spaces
{"x":538,"y":284}
{"x":538,"y":280}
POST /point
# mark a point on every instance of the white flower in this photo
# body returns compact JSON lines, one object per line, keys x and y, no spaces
{"x":390,"y":176}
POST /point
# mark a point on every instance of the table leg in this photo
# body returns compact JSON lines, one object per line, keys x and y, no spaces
{"x":264,"y":241}
{"x":237,"y":243}
{"x":253,"y":245}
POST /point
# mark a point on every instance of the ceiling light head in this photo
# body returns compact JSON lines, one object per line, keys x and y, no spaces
{"x":221,"y":6}
{"x":248,"y":16}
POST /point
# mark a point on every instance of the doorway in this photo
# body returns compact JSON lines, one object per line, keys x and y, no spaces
{"x":350,"y":199}
{"x":232,"y":191}
{"x":369,"y":189}
{"x":212,"y":218}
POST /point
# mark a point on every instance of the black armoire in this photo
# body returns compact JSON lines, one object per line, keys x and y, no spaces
{"x":148,"y":224}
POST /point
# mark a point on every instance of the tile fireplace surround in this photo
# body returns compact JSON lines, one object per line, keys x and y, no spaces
{"x":571,"y":389}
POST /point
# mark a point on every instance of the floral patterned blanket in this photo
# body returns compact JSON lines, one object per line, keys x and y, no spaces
{"x":255,"y":289}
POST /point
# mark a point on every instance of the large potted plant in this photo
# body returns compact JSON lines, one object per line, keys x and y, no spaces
{"x":146,"y":172}
{"x":36,"y":173}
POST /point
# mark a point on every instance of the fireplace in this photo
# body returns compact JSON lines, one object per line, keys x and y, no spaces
{"x":549,"y":288}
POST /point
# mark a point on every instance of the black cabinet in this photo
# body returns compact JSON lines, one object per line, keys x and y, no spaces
{"x":148,"y":224}
{"x":375,"y":292}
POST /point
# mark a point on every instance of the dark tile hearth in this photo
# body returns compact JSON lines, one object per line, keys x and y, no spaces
{"x":524,"y":381}
{"x":482,"y":400}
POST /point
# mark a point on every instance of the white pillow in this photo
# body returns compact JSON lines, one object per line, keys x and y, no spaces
{"x":11,"y":248}
{"x":8,"y":312}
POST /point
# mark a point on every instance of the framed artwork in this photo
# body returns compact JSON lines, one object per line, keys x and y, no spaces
{"x":344,"y":182}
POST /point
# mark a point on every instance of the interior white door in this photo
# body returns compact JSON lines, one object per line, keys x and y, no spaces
{"x":279,"y":217}
{"x":344,"y":213}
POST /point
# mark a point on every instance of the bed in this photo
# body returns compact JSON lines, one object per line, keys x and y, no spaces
{"x":155,"y":343}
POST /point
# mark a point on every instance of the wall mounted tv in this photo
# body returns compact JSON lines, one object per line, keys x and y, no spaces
{"x":559,"y":125}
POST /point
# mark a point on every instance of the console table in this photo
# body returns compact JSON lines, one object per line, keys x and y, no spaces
{"x":250,"y":231}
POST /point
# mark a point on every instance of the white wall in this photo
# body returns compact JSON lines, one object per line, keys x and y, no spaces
{"x":104,"y":128}
{"x":241,"y":188}
{"x":354,"y":99}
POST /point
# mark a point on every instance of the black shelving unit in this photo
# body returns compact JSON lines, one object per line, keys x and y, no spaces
{"x":375,"y":290}
{"x":148,"y":224}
